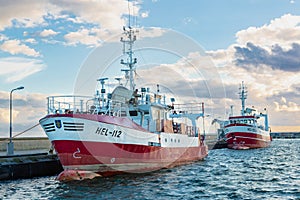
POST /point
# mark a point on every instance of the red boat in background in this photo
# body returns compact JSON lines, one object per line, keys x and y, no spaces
{"x":130,"y":130}
{"x":248,"y":130}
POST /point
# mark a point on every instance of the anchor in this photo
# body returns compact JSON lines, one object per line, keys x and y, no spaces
{"x":74,"y":154}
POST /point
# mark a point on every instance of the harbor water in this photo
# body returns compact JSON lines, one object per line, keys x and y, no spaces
{"x":269,"y":173}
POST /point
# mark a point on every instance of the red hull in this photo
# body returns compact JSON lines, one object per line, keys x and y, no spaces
{"x":109,"y":158}
{"x":250,"y":140}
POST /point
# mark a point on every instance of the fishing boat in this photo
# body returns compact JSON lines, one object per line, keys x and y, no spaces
{"x":130,"y":130}
{"x":249,"y":129}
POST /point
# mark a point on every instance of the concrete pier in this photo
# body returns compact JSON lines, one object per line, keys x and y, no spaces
{"x":28,"y":164}
{"x":31,"y":158}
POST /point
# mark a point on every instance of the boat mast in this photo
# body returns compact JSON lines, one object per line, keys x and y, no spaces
{"x":243,"y":97}
{"x":127,"y":49}
{"x":231,"y":111}
{"x":102,"y":82}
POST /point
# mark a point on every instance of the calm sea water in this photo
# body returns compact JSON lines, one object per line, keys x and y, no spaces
{"x":270,"y":173}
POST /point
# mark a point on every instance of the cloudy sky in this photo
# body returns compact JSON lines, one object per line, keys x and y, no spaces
{"x":210,"y":46}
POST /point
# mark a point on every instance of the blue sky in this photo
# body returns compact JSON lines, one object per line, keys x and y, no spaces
{"x":256,"y":41}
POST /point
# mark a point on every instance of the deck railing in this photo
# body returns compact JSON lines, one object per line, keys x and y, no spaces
{"x":68,"y":103}
{"x":85,"y":104}
{"x":190,"y":108}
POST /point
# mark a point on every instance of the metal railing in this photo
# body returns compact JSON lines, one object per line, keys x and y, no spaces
{"x":67,"y":103}
{"x":85,"y":104}
{"x":189,"y":108}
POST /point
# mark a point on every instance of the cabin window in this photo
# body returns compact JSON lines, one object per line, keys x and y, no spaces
{"x":133,"y":113}
{"x":166,"y":140}
{"x":178,"y":140}
{"x":171,"y":140}
{"x":174,"y":140}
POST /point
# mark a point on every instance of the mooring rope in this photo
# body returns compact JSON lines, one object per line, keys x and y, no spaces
{"x":26,"y":130}
{"x":22,"y":132}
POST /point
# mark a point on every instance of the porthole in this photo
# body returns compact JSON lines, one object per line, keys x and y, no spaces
{"x":171,"y":140}
{"x":166,"y":140}
{"x":174,"y":140}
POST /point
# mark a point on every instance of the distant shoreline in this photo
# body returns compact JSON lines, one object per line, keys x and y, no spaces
{"x":26,"y":143}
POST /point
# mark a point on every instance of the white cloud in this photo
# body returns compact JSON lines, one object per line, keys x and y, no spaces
{"x":48,"y":32}
{"x":31,"y":41}
{"x":95,"y":36}
{"x":284,"y":31}
{"x":3,"y":37}
{"x":266,"y":81}
{"x":75,"y":20}
{"x":108,"y":14}
{"x":15,"y":47}
{"x":83,"y":36}
{"x":27,"y":110}
{"x":16,"y":68}
{"x":22,"y":13}
{"x":268,"y":86}
{"x":288,"y":106}
{"x":145,"y":14}
{"x":222,"y":57}
{"x":150,"y":32}
{"x":283,"y":100}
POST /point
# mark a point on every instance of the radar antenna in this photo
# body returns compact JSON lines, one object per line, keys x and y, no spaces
{"x":243,"y":97}
{"x":102,"y":82}
{"x":130,"y":61}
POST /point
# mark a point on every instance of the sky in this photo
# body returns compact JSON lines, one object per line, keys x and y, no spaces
{"x":209,"y":46}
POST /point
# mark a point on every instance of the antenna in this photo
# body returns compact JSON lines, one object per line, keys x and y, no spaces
{"x":130,"y":62}
{"x":128,"y":14}
{"x":128,"y":41}
{"x":243,"y":97}
{"x":102,"y":82}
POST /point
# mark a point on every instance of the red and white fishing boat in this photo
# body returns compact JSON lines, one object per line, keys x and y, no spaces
{"x":130,"y":130}
{"x":246,"y":131}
